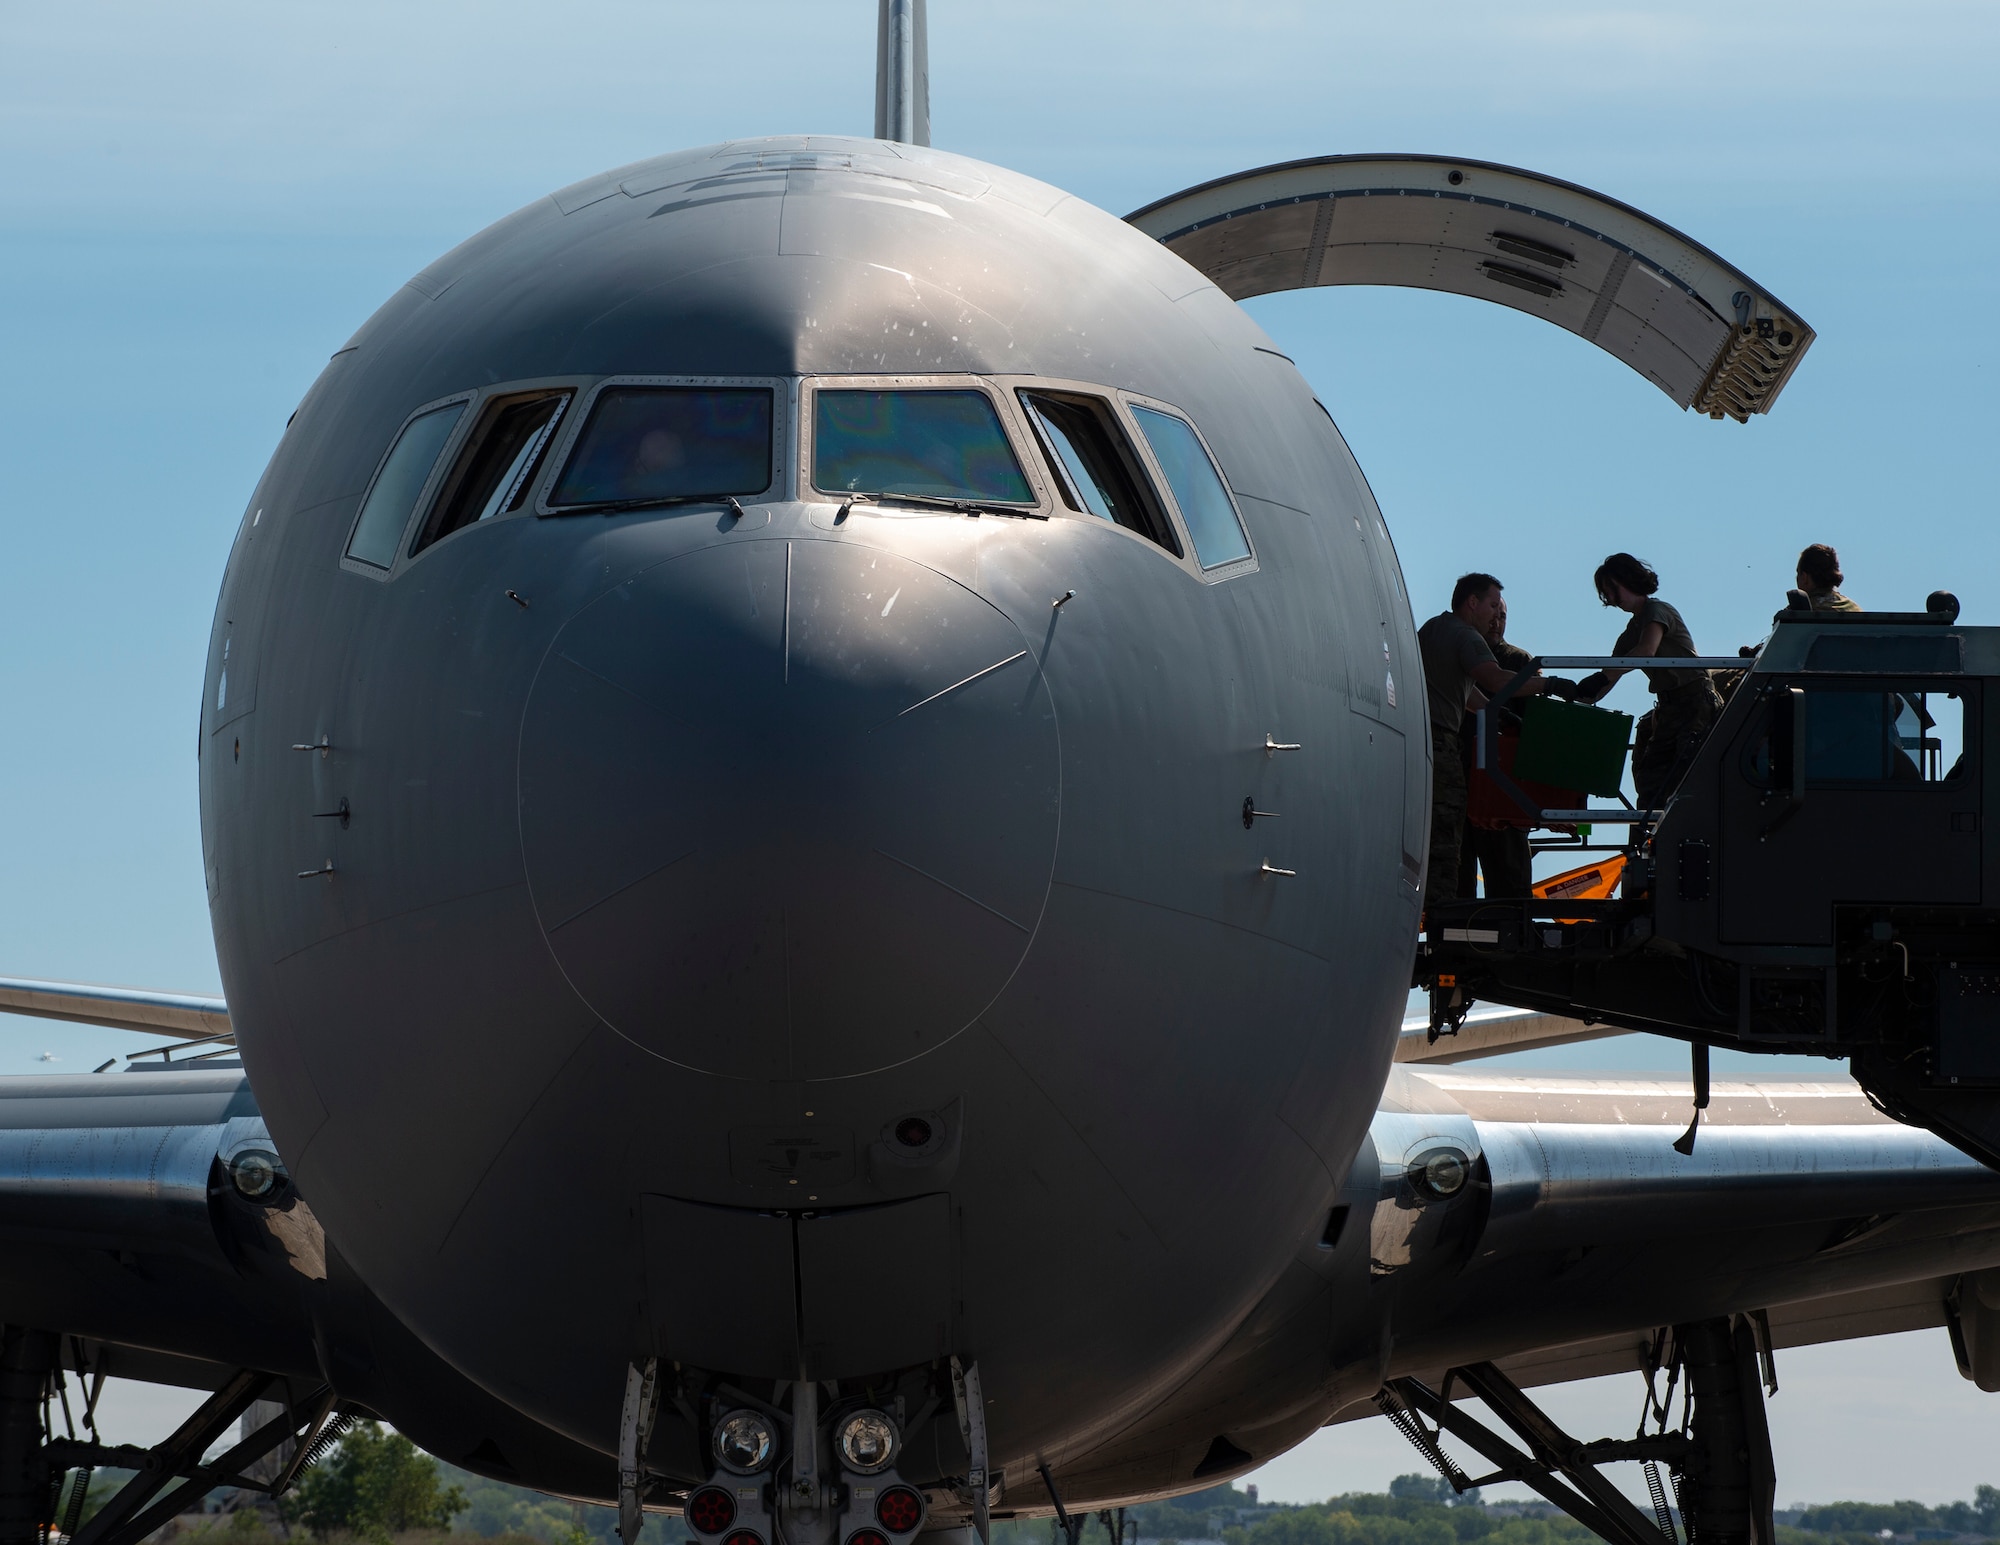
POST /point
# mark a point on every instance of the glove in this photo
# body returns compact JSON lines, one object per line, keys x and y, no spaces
{"x":1560,"y":686}
{"x":1592,"y":687}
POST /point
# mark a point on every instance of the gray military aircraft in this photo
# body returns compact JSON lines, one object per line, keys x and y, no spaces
{"x":813,"y":780}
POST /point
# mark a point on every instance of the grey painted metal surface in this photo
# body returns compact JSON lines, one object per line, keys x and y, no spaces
{"x":143,"y":1185}
{"x":1579,"y":1169}
{"x":1694,"y":325}
{"x":1490,"y":1032}
{"x":123,"y":1161}
{"x":1576,"y":1233}
{"x":1553,"y":1184}
{"x":667,"y":894}
{"x":849,"y":910}
{"x":121,"y":1008}
{"x":902,"y":72}
{"x":156,"y":1097}
{"x":120,"y":1227}
{"x":1760,"y":1217}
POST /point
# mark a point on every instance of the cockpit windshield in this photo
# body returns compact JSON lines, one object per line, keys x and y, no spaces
{"x":665,"y":443}
{"x":931,"y":444}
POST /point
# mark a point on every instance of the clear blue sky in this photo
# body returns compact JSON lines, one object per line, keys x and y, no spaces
{"x":204,"y":200}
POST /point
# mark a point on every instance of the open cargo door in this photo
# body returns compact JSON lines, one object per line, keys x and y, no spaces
{"x":1696,"y":327}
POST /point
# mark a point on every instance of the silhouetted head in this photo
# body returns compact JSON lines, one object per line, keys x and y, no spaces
{"x":1819,"y":569}
{"x":1475,"y":598}
{"x":1635,"y":574}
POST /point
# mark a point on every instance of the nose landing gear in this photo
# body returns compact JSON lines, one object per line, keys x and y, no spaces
{"x":783,"y":1473}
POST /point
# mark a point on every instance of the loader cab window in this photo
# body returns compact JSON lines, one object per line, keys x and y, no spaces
{"x":497,"y":464}
{"x":1092,"y":464}
{"x":1197,"y":487}
{"x":657,"y":445}
{"x":1861,"y":737}
{"x":399,"y":483}
{"x":926,"y":444}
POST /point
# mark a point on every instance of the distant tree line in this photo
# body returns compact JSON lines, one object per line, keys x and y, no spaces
{"x":378,"y":1488}
{"x":1857,"y":1521}
{"x":1422,"y":1510}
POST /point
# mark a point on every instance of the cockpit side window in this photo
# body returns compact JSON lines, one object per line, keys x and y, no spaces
{"x":932,"y":444}
{"x":1092,"y":463}
{"x":1197,"y":487}
{"x":497,"y":464}
{"x":667,"y":444}
{"x":405,"y":471}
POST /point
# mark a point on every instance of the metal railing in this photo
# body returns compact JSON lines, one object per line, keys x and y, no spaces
{"x":1486,"y":748}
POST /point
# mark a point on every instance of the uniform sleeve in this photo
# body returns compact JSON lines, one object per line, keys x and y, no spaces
{"x":1656,"y":610}
{"x":1472,"y":651}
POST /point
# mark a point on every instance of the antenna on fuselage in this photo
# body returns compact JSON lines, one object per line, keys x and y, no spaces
{"x":902,"y":73}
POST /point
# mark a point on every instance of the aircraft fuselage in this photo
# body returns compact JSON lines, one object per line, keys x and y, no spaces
{"x":776,"y":936}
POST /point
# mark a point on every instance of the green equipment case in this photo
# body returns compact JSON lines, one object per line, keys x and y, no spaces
{"x":1573,"y":745}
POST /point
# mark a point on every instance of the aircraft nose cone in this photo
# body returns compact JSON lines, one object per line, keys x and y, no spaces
{"x":789,"y":808}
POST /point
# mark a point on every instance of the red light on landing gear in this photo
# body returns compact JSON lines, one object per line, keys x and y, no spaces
{"x":899,"y":1510}
{"x":744,"y":1537}
{"x":711,"y":1510}
{"x":867,"y":1537}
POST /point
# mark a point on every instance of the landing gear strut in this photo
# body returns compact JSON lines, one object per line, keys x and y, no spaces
{"x":26,"y":1503}
{"x":1735,"y":1485}
{"x":1719,"y":1458}
{"x":34,"y":1461}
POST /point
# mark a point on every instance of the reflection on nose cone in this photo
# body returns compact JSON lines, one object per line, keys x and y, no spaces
{"x":789,"y":808}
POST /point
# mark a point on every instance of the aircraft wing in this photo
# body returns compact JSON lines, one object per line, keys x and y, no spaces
{"x":1694,"y":325}
{"x":119,"y":1223}
{"x":1583,"y":1229}
{"x":1575,"y":1233}
{"x":182,"y":1014}
{"x":149,"y":1231}
{"x":1490,"y":1032}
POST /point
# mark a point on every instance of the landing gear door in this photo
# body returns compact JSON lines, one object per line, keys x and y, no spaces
{"x":1848,"y":791}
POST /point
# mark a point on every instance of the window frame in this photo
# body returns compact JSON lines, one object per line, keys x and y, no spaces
{"x":1021,"y":440}
{"x":1249,"y":564}
{"x":776,"y":488}
{"x":1964,"y":688}
{"x":457,"y":445}
{"x":447,"y":457}
{"x":1143,"y":474}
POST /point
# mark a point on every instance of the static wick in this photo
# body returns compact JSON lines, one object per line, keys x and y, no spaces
{"x":325,"y":870}
{"x":521,"y":601}
{"x":1063,"y":600}
{"x":1267,"y":867}
{"x":323,"y":746}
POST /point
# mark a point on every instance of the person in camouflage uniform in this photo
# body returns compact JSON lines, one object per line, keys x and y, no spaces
{"x":1500,"y":854}
{"x":1820,"y":578}
{"x":1458,"y":667}
{"x":1684,"y":700}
